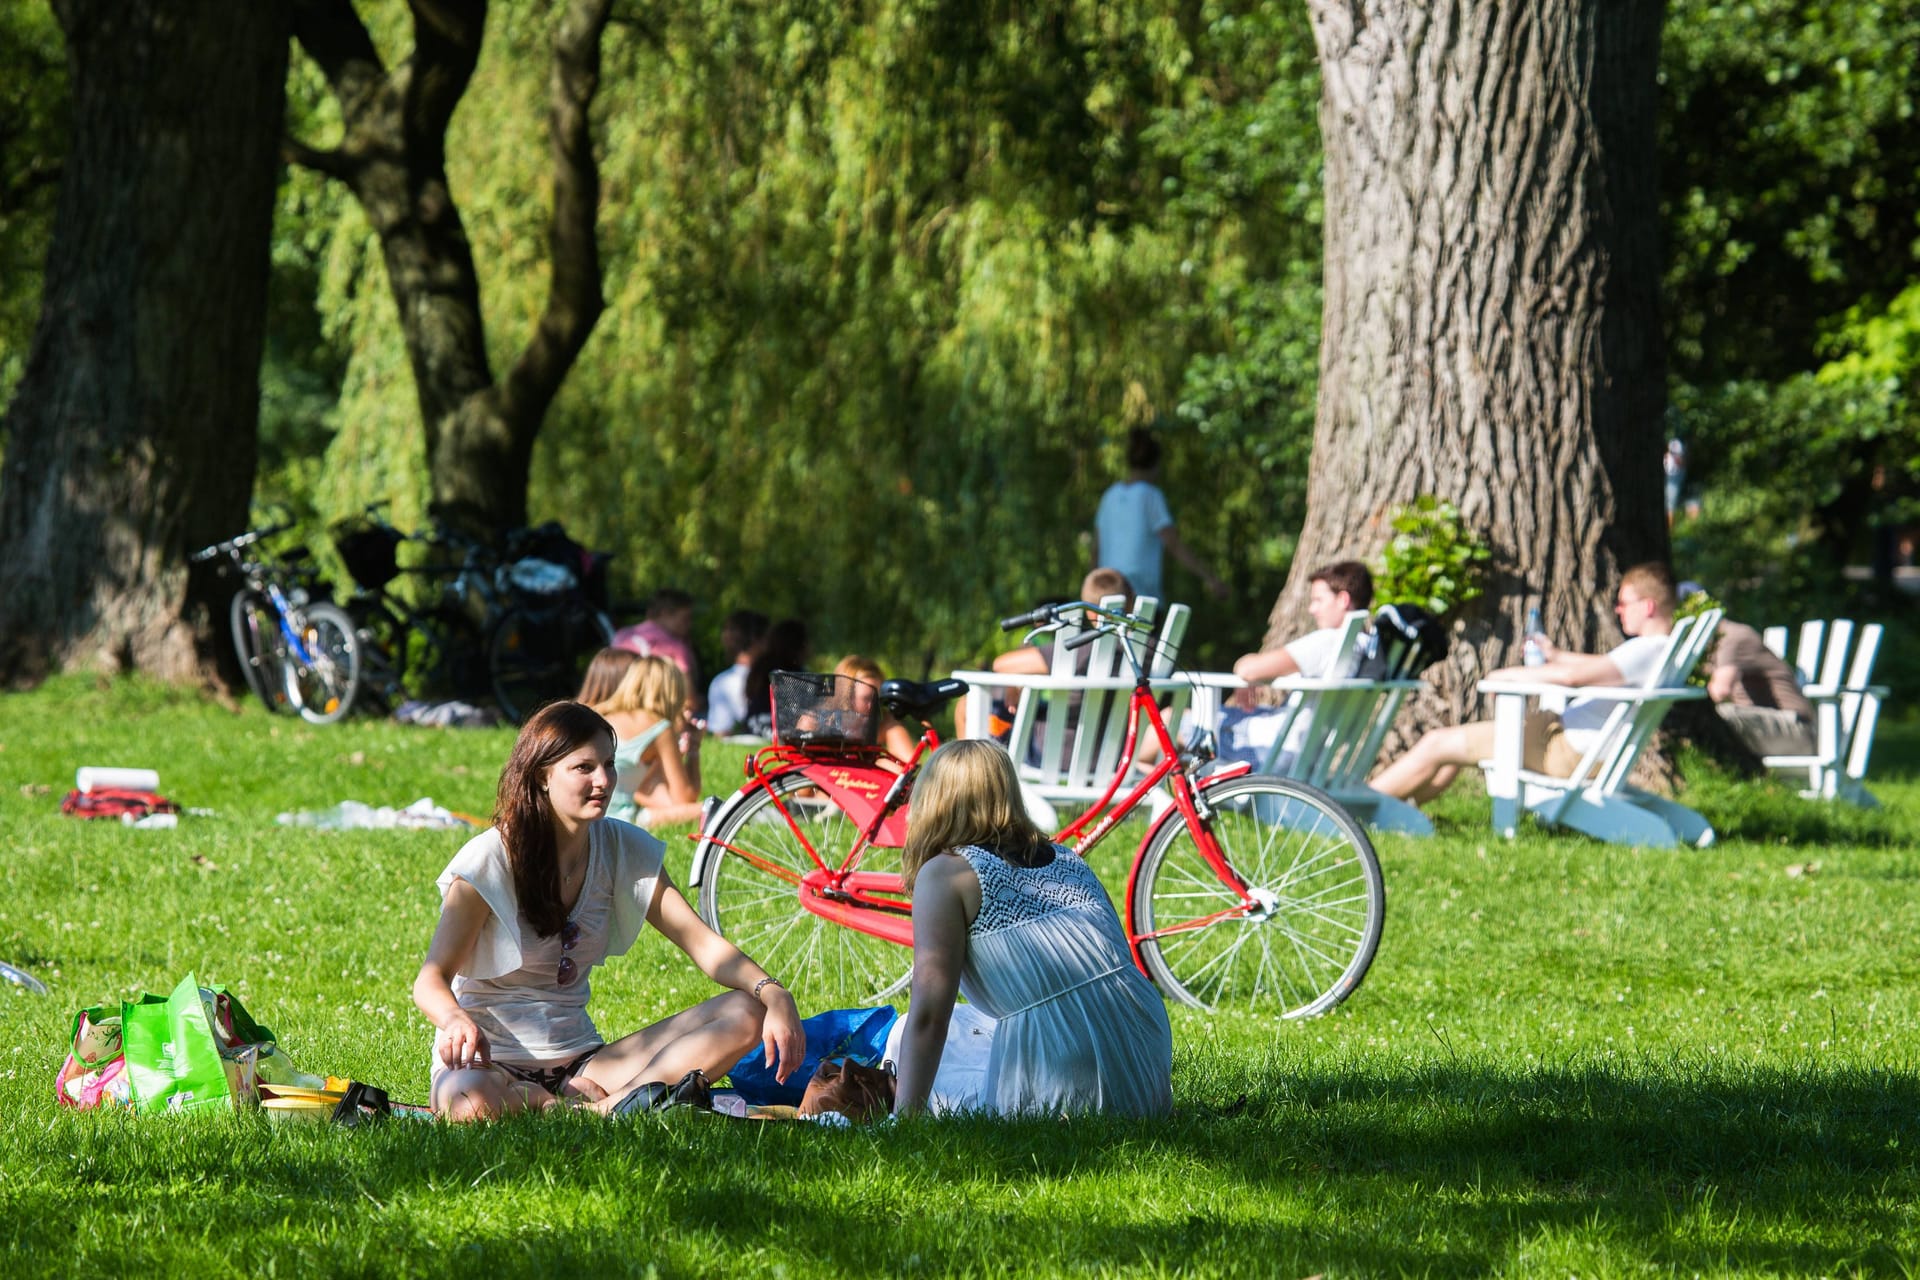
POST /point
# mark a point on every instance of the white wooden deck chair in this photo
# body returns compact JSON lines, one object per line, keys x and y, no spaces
{"x":1846,"y":707}
{"x":1069,"y":727}
{"x":1347,"y":720}
{"x":1596,"y":797}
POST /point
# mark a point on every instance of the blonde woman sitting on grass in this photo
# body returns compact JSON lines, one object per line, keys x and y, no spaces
{"x":1023,"y":928}
{"x":655,"y":787}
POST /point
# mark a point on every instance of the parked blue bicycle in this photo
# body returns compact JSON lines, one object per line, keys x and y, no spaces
{"x":295,"y":652}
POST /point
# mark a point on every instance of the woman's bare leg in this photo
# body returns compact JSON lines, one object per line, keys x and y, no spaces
{"x":485,"y":1094}
{"x":710,"y":1037}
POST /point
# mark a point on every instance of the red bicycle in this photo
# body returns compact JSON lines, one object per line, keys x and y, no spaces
{"x":1246,"y":892}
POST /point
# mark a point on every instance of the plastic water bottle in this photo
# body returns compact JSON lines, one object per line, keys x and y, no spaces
{"x":1530,"y":651}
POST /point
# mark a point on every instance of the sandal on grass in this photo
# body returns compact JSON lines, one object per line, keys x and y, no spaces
{"x":691,"y":1090}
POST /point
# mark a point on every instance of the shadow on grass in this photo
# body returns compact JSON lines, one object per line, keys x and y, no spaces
{"x":1445,"y":1169}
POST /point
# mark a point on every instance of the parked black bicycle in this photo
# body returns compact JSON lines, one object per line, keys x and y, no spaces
{"x":428,"y":642}
{"x":520,"y":627}
{"x":295,"y":651}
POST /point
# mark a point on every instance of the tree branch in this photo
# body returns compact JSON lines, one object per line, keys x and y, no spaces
{"x":446,"y":47}
{"x":574,"y":299}
{"x":334,"y":163}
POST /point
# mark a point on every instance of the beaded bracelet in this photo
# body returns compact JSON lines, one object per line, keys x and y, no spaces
{"x":763,"y":982}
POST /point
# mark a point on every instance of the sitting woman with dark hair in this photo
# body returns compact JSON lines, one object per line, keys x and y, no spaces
{"x":531,"y":906}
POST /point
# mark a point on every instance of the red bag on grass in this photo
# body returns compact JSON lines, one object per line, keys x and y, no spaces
{"x":116,"y":802}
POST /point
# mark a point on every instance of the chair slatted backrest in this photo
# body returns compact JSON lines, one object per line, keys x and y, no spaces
{"x":1833,"y":660}
{"x":1103,"y":712}
{"x":1806,"y":656}
{"x":1336,"y":718}
{"x":1159,"y":652}
{"x":1860,"y":704}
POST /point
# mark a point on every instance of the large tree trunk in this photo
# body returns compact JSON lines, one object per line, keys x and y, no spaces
{"x":131,"y":437}
{"x":1490,"y":331}
{"x":392,"y":155}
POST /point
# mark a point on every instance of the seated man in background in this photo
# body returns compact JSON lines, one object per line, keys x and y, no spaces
{"x":1247,"y":732}
{"x":1037,"y":659}
{"x":1553,"y":744}
{"x":1756,"y":693}
{"x":740,"y":637}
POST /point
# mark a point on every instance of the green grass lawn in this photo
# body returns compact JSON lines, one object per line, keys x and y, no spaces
{"x":1568,"y":1059}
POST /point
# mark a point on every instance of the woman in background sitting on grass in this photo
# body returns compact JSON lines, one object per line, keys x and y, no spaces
{"x":1025,"y":930}
{"x":655,"y":787}
{"x":532,"y":905}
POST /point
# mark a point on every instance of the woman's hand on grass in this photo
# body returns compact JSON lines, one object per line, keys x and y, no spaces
{"x":784,"y":1039}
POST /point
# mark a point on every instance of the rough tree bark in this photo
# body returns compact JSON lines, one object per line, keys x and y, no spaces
{"x":392,"y":156}
{"x":131,"y":437}
{"x":1490,"y":330}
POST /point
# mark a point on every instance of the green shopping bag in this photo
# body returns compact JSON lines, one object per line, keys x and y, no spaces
{"x":173,"y":1049}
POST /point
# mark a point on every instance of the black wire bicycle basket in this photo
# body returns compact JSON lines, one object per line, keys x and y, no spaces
{"x":823,"y":711}
{"x":370,"y":551}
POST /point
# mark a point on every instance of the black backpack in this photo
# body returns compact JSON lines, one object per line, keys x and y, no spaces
{"x":1400,"y":642}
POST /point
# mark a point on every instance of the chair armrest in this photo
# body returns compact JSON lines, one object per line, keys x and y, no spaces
{"x":1006,"y":680}
{"x":1608,"y":692}
{"x":1316,"y":684}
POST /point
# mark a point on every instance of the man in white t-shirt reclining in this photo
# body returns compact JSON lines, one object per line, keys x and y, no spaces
{"x":1553,"y":744}
{"x":1332,"y":593}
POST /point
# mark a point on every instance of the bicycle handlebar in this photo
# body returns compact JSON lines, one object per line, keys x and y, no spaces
{"x":1043,"y":614}
{"x":234,"y":544}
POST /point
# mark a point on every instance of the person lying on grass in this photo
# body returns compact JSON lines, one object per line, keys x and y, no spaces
{"x":531,"y":905}
{"x":1025,"y":930}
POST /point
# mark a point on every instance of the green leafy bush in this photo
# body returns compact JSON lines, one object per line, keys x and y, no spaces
{"x":1433,"y":560}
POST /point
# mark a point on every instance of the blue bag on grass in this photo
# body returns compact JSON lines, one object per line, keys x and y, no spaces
{"x":860,"y":1034}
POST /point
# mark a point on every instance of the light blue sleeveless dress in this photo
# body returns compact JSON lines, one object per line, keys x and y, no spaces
{"x":1080,"y":1029}
{"x":626,"y":758}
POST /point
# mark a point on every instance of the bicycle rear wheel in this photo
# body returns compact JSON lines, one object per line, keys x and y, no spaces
{"x":536,"y":655}
{"x":826,"y":965}
{"x":322,"y":689}
{"x":1319,"y":902}
{"x":259,"y":646}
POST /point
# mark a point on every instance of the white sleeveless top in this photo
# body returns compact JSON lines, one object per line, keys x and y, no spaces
{"x":510,"y":985}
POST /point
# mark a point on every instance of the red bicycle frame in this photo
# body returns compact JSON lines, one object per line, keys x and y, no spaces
{"x":875,"y":797}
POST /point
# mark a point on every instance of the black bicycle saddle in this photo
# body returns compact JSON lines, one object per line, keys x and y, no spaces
{"x":914,"y":698}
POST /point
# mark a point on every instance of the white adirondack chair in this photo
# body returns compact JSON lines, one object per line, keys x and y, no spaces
{"x":1596,"y":798}
{"x":1058,"y":765}
{"x":1348,"y":720}
{"x":1846,"y":707}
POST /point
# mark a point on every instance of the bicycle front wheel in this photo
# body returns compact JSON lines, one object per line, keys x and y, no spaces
{"x":259,"y":646}
{"x":1318,"y":903}
{"x":322,"y":688}
{"x":539,"y":654}
{"x":749,"y":893}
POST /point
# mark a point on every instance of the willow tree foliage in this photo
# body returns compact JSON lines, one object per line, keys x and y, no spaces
{"x":885,"y":286}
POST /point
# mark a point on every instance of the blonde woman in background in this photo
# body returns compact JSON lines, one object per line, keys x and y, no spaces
{"x":604,"y":673}
{"x":655,"y":787}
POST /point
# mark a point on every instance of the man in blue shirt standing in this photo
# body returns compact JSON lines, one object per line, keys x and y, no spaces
{"x":1133,"y":525}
